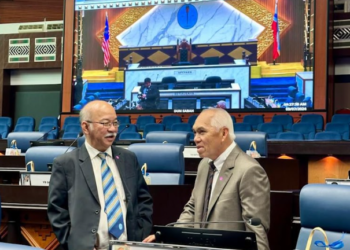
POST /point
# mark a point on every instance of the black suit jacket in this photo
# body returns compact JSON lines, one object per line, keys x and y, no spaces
{"x":74,"y":208}
{"x":152,"y":97}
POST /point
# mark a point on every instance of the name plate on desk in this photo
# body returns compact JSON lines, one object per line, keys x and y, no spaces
{"x":190,"y":152}
{"x":35,"y":178}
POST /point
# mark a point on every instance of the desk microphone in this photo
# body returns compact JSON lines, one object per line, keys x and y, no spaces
{"x":118,"y":134}
{"x":252,"y":221}
{"x":46,"y":134}
{"x":79,"y":135}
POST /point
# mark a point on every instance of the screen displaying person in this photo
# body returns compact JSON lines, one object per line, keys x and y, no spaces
{"x":230,"y":185}
{"x":97,"y":192}
{"x":148,"y":95}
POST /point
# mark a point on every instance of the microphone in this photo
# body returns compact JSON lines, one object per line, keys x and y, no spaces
{"x":46,"y":134}
{"x":118,"y":134}
{"x":80,"y":134}
{"x":252,"y":221}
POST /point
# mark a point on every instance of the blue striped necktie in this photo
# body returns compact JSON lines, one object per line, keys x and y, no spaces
{"x":112,"y":201}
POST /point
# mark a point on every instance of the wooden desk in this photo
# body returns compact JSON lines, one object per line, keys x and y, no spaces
{"x":25,"y":219}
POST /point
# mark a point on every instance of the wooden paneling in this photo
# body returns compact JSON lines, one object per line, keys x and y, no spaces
{"x":19,"y":11}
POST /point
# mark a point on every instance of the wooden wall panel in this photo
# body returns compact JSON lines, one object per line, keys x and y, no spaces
{"x":19,"y":11}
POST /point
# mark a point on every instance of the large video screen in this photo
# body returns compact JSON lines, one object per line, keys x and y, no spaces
{"x":182,"y":56}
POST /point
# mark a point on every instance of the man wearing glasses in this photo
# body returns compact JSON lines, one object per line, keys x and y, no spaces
{"x":97,"y":192}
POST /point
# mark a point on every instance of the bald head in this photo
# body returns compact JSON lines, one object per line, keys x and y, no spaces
{"x":92,"y":108}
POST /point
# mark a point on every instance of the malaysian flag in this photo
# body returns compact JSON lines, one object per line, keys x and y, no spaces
{"x":276,"y":34}
{"x":105,"y":43}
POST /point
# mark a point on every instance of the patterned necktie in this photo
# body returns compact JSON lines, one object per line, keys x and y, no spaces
{"x":208,"y":192}
{"x":112,"y":201}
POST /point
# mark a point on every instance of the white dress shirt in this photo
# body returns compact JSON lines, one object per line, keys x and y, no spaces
{"x":219,"y":162}
{"x":102,"y":232}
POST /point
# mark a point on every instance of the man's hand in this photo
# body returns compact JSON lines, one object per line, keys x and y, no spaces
{"x":149,"y":239}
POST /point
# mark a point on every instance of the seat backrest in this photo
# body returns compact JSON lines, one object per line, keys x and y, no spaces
{"x":169,"y":120}
{"x":328,"y":136}
{"x":271,"y":129}
{"x":23,"y":139}
{"x":242,"y":127}
{"x":192,"y":120}
{"x":152,"y":127}
{"x":123,"y":119}
{"x":28,"y":120}
{"x":70,"y":135}
{"x":51,"y":120}
{"x":130,"y":136}
{"x":6,"y":120}
{"x":46,"y":128}
{"x":169,"y":79}
{"x":43,"y":155}
{"x":315,"y":119}
{"x":143,"y":120}
{"x":127,"y":128}
{"x":233,"y":119}
{"x":80,"y":141}
{"x":307,"y":129}
{"x":342,"y":128}
{"x":244,"y":139}
{"x":325,"y":206}
{"x":253,"y":120}
{"x":73,"y":128}
{"x":179,"y":137}
{"x":168,"y":169}
{"x":23,"y":128}
{"x":341,"y":118}
{"x":285,"y":120}
{"x":181,"y":127}
{"x":70,"y":120}
{"x":4,"y":131}
{"x":290,"y":136}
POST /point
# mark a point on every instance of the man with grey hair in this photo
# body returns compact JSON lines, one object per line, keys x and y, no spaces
{"x":230,"y":185}
{"x":97,"y":192}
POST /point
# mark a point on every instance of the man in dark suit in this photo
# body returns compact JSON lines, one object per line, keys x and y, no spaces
{"x":230,"y":185}
{"x":97,"y":192}
{"x":148,"y":95}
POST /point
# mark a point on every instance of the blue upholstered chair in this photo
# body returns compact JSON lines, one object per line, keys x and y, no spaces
{"x":23,"y":139}
{"x":23,"y":128}
{"x":80,"y":141}
{"x":328,"y":136}
{"x":7,"y":121}
{"x":290,"y":136}
{"x":130,"y":136}
{"x":26,"y":120}
{"x":51,"y":120}
{"x":315,"y":119}
{"x":131,"y":128}
{"x":70,"y":120}
{"x":285,"y":120}
{"x":123,"y":119}
{"x":233,"y":119}
{"x":4,"y":131}
{"x":71,"y":131}
{"x":169,"y":120}
{"x":244,"y":139}
{"x":152,"y":127}
{"x":181,"y":127}
{"x":242,"y":127}
{"x":307,"y":129}
{"x":180,"y":137}
{"x":143,"y":120}
{"x":53,"y":134}
{"x":192,"y":120}
{"x":70,"y":135}
{"x":271,"y":129}
{"x":341,"y":118}
{"x":42,"y":155}
{"x":168,"y":169}
{"x":253,"y":120}
{"x":325,"y":206}
{"x":342,"y":128}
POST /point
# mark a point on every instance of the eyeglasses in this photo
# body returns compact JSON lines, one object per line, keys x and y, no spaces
{"x":107,"y":124}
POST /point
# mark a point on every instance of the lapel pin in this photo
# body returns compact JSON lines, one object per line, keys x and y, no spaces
{"x":117,"y":157}
{"x":221,"y":178}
